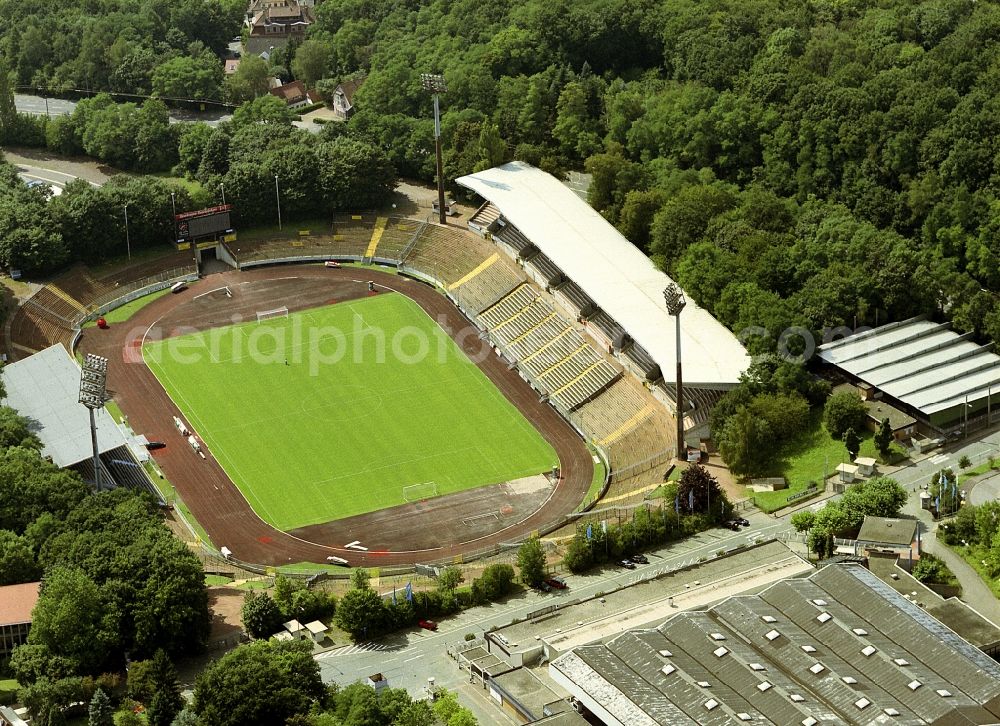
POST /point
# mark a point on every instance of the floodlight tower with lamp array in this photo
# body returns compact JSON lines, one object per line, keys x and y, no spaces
{"x":434,"y":84}
{"x":93,"y":392}
{"x":674,"y":297}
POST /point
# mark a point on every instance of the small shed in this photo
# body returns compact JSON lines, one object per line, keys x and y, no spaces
{"x":848,"y":472}
{"x":283,"y":636}
{"x":317,"y":631}
{"x":295,"y":629}
{"x":378,"y":681}
{"x":866,"y":465}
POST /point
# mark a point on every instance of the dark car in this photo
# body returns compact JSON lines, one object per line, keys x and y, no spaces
{"x":742,"y":522}
{"x":428,"y":624}
{"x":732,"y":524}
{"x":544,"y":586}
{"x":627,"y":564}
{"x":556,"y":583}
{"x":154,"y":445}
{"x":640,"y":559}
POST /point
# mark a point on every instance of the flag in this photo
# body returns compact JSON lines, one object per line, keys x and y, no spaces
{"x":409,"y":592}
{"x":677,"y":503}
{"x":604,"y":526}
{"x":590,"y":532}
{"x":690,"y":500}
{"x":937,"y":502}
{"x":393,"y":594}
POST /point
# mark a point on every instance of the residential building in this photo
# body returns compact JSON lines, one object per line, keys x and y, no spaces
{"x":343,"y":97}
{"x":294,"y":94}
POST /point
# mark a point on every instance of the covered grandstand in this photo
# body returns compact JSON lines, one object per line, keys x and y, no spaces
{"x":44,"y":389}
{"x":602,"y":279}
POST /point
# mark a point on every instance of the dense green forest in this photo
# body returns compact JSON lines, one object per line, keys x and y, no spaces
{"x":791,"y":163}
{"x":168,"y":47}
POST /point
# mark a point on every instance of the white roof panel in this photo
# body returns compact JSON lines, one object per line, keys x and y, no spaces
{"x":616,"y":275}
{"x":45,"y":388}
{"x":923,"y":364}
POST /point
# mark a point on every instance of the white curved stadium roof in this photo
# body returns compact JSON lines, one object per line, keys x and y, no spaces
{"x":616,"y":275}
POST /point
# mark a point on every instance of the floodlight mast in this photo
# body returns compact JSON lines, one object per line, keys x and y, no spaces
{"x":674,"y":298}
{"x":93,"y":391}
{"x":434,"y":83}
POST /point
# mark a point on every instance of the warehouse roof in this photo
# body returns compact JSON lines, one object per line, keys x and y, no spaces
{"x":840,"y":646}
{"x":924,"y":364}
{"x":45,"y":389}
{"x":615,"y":274}
{"x":888,"y":531}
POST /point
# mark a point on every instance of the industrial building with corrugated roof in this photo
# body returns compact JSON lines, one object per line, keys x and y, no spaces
{"x":840,"y":646}
{"x":943,"y":377}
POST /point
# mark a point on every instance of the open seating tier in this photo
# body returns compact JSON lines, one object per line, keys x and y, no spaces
{"x":57,"y":304}
{"x":396,"y":238}
{"x":508,"y":306}
{"x":447,"y":254}
{"x":491,"y":284}
{"x":31,"y":331}
{"x":352,"y":235}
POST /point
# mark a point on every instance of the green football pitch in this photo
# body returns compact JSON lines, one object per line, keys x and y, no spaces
{"x":334,"y":411}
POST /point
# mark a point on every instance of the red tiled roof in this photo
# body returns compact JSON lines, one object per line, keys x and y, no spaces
{"x":291,"y":92}
{"x":17,"y":602}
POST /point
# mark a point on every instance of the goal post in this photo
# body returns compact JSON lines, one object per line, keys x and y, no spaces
{"x":419,"y":492}
{"x":281,"y":312}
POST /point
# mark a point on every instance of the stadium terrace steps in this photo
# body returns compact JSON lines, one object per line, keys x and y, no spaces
{"x":351,"y":237}
{"x":396,"y":238}
{"x":447,"y":254}
{"x":57,"y":306}
{"x":547,"y":347}
{"x":492,"y":283}
{"x":34,"y":331}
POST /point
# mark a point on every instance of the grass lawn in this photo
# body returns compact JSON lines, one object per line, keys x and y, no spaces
{"x":190,"y":185}
{"x":217,"y":580}
{"x":974,"y":555}
{"x":811,"y":457}
{"x":977,"y":470}
{"x":126,"y":311}
{"x":311,"y":438}
{"x":596,"y":482}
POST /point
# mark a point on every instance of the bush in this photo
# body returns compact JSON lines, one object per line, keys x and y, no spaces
{"x":930,"y":569}
{"x":964,"y":462}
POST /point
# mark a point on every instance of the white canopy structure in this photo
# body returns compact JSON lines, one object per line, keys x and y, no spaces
{"x":615,"y":274}
{"x":45,"y":388}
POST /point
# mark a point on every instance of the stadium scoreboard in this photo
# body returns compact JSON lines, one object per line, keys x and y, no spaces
{"x":208,"y":222}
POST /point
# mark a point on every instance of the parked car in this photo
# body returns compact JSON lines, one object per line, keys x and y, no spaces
{"x":732,"y":524}
{"x":427,"y":624}
{"x":627,"y":564}
{"x":640,"y":559}
{"x":556,"y":583}
{"x":154,"y":445}
{"x":742,"y":522}
{"x":544,"y":586}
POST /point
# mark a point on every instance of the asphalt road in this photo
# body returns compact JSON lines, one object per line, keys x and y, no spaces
{"x":409,"y":658}
{"x":53,"y":178}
